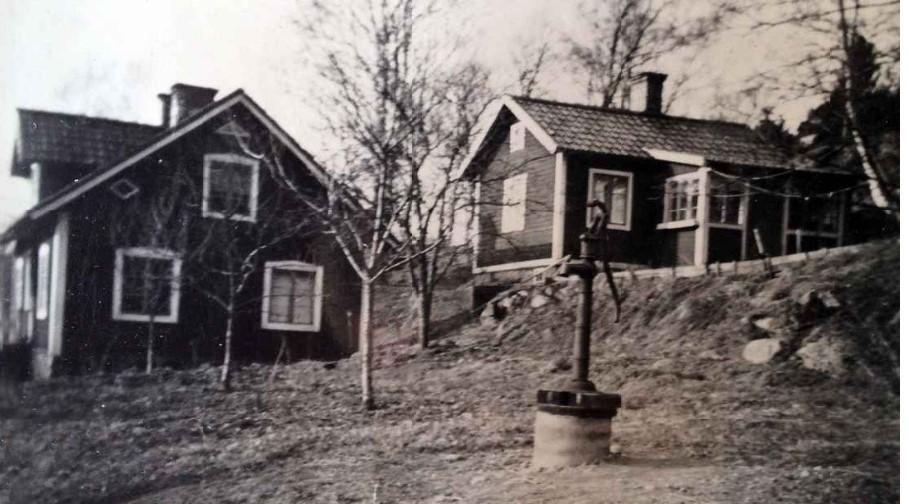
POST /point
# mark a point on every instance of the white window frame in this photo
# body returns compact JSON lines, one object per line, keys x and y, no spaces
{"x":42,"y":290}
{"x":593,"y":172}
{"x":739,"y":218}
{"x":173,"y":314}
{"x":253,"y":193}
{"x":517,"y":137}
{"x":270,"y":267}
{"x":689,"y":220}
{"x":514,"y":206}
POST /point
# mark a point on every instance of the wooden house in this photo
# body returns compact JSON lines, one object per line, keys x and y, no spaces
{"x":76,"y":289}
{"x":680,"y":191}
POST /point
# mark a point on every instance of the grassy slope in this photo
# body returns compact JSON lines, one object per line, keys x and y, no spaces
{"x":456,"y":422}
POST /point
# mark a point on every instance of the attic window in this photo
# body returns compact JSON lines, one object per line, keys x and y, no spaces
{"x":516,"y":138}
{"x":124,"y":189}
{"x":230,"y":187}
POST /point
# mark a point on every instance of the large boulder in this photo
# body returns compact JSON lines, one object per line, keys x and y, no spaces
{"x":762,"y":351}
{"x":827,"y":353}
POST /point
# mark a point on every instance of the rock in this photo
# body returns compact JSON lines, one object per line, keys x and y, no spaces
{"x":661,"y":365}
{"x":769,"y":324}
{"x":710,"y":355}
{"x":829,"y":300}
{"x":538,"y":301}
{"x":556,"y":365}
{"x":615,"y":448}
{"x":826,"y":354}
{"x":761,"y":351}
{"x":684,"y":311}
{"x":633,"y":402}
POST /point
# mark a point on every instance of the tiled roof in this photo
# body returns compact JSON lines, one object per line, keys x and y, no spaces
{"x":76,"y":139}
{"x":625,"y":133}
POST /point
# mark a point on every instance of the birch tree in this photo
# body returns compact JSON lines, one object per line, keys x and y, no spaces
{"x":627,"y":36}
{"x":157,"y":219}
{"x":233,"y":243}
{"x":370,"y":80}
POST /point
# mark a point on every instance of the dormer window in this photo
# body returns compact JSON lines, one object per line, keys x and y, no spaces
{"x":516,"y":137}
{"x":230,"y":187}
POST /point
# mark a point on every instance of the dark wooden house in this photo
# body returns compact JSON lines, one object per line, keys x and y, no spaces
{"x":680,"y":191}
{"x":76,"y":288}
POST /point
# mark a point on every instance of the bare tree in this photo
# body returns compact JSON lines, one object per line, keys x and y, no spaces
{"x":372,"y":81}
{"x":828,"y":61}
{"x":437,"y":193}
{"x":531,"y":62}
{"x":629,"y":35}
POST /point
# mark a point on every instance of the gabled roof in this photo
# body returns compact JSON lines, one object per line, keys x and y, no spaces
{"x":166,"y":137}
{"x":75,"y":139}
{"x":575,"y":127}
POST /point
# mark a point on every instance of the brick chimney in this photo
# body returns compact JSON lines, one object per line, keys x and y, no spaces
{"x":644,"y":93}
{"x":185,"y":100}
{"x":165,"y":109}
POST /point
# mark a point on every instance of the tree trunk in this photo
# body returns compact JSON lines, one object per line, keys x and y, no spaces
{"x":228,"y":338}
{"x":366,"y":292}
{"x":877,"y":183}
{"x":150,"y":349}
{"x":425,"y":316}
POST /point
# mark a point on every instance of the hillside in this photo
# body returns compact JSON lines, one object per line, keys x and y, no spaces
{"x":818,"y":422}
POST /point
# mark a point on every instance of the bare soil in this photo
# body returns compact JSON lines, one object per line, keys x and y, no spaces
{"x":455,"y":422}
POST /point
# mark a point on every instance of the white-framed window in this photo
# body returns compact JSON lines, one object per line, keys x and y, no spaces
{"x":230,"y":187}
{"x":146,"y":284}
{"x":42,"y":290}
{"x":517,"y":134}
{"x":292,"y":299}
{"x":614,"y":188}
{"x":514,"y":203}
{"x":680,"y":199}
{"x":727,"y":203}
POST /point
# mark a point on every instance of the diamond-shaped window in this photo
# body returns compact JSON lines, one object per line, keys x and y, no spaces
{"x":124,"y":189}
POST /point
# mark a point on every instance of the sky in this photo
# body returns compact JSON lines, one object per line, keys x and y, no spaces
{"x":110,"y":58}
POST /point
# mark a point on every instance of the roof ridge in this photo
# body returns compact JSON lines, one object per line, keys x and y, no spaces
{"x":88,"y":117}
{"x":613,"y":110}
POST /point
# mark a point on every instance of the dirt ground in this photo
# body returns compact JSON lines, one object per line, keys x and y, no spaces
{"x":455,"y":422}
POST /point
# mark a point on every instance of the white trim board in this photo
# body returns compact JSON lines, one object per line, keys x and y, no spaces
{"x":492,"y":114}
{"x":59,"y":261}
{"x":535,"y":263}
{"x":179,"y":132}
{"x":559,"y":201}
{"x":685,"y":158}
{"x":270,"y":266}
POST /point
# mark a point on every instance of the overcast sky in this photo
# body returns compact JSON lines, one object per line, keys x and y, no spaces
{"x":110,"y":58}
